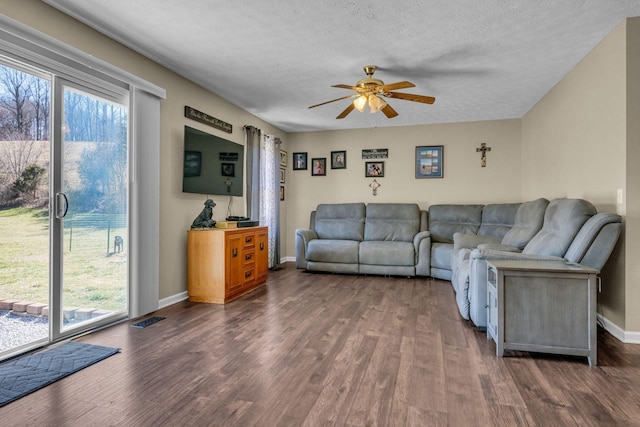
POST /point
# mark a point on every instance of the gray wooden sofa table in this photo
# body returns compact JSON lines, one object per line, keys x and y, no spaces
{"x":542,"y":306}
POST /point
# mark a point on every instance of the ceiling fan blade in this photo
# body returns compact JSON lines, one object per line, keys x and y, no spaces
{"x":395,"y":86}
{"x":346,"y":111}
{"x":411,"y":97}
{"x":389,"y":112}
{"x":346,"y":87}
{"x":334,"y":100}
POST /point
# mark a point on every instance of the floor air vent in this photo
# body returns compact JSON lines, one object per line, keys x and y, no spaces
{"x":147,"y":322}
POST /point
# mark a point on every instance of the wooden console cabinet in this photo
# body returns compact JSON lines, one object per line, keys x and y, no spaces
{"x":224,"y":264}
{"x":542,"y":306}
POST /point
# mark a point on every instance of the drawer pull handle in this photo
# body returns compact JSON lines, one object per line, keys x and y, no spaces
{"x":247,"y":274}
{"x":234,"y":252}
{"x":262,"y":246}
{"x":248,"y":257}
{"x":248,"y":239}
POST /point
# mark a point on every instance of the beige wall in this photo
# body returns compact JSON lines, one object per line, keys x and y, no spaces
{"x":465,"y":181}
{"x":632,"y":242}
{"x":573,"y":140}
{"x":177,"y":209}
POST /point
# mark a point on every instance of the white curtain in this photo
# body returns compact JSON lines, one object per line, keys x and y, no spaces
{"x":270,"y":194}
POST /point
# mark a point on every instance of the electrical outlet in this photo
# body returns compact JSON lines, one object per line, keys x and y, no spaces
{"x":620,"y":196}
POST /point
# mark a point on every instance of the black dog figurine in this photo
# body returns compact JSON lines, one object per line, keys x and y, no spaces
{"x":204,"y":220}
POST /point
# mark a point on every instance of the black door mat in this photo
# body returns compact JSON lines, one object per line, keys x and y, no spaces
{"x":147,"y":322}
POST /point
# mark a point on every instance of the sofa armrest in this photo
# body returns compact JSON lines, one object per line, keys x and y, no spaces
{"x":303,"y":237}
{"x":420,"y":237}
{"x":422,"y":247}
{"x":471,"y":241}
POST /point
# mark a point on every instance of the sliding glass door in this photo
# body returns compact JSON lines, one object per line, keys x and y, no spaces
{"x":64,"y":204}
{"x":90,"y":227}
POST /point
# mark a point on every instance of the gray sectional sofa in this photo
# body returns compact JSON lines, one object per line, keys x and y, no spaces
{"x":453,"y":242}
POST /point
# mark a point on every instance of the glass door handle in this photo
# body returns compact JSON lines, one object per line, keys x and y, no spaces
{"x":62,"y":205}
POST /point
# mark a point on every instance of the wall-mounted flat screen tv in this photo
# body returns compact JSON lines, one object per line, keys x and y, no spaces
{"x":212,"y":165}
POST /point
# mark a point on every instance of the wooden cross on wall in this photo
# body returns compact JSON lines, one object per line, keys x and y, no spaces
{"x":483,"y":148}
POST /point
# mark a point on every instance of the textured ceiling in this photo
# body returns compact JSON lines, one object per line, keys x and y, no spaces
{"x":482,"y":60}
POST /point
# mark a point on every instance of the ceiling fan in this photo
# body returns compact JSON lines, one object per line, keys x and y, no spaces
{"x":370,"y":90}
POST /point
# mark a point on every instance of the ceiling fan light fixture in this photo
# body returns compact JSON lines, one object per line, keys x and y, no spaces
{"x":376,"y":103}
{"x":360,"y":103}
{"x":371,"y":91}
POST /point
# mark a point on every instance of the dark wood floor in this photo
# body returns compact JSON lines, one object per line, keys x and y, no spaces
{"x":332,"y":350}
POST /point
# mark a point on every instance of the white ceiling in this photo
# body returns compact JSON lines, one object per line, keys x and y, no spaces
{"x":482,"y":60}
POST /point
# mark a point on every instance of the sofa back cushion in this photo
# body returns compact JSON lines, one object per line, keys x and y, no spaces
{"x":498,"y":219}
{"x":563,"y":219}
{"x":340,"y":221}
{"x":398,"y":222}
{"x":528,"y":222}
{"x":445,"y":220}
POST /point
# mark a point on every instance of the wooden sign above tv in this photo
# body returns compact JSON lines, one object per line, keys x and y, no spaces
{"x":201,"y":117}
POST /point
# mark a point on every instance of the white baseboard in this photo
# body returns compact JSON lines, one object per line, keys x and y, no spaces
{"x":166,"y":302}
{"x":287,"y":259}
{"x":619,"y":333}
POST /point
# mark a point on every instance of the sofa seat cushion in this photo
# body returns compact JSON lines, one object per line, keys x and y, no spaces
{"x":387,"y":253}
{"x":329,"y":250}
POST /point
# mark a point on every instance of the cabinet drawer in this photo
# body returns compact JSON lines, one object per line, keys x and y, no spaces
{"x":249,"y":240}
{"x":248,"y":275}
{"x":249,"y":256}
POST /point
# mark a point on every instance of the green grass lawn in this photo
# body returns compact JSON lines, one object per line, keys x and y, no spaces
{"x":93,"y":277}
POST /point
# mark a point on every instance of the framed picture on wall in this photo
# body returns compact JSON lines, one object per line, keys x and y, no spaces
{"x":299,"y":161}
{"x":319,"y":166}
{"x":373,"y":169}
{"x":228,"y":169}
{"x":282,"y":175}
{"x":282,"y":193}
{"x":283,"y":159}
{"x":429,"y":161}
{"x":338,"y":160}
